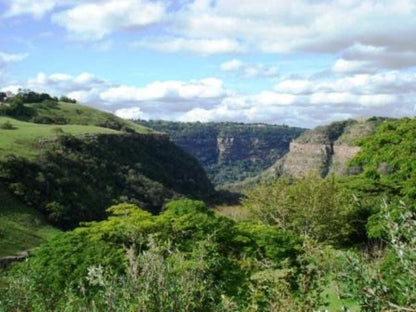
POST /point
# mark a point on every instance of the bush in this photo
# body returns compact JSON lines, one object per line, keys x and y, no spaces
{"x":386,"y":282}
{"x":7,"y":125}
{"x":316,"y":207}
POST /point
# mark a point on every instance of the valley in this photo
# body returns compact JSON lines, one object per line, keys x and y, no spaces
{"x":113,"y":215}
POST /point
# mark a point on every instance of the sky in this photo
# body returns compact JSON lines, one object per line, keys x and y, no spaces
{"x":298,"y":62}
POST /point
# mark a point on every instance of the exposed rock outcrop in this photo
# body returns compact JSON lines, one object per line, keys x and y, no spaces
{"x":324,"y":150}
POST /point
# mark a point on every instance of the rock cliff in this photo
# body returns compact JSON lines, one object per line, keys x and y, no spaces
{"x":230,"y":151}
{"x":324,"y":150}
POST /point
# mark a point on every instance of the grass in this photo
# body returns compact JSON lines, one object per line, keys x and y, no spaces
{"x":21,"y":227}
{"x":77,"y":114}
{"x":23,"y":139}
{"x":336,"y":303}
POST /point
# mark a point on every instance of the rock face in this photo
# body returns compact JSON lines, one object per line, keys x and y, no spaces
{"x":324,"y":150}
{"x":320,"y":158}
{"x":230,"y":152}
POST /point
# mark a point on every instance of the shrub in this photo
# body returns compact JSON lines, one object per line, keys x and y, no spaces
{"x":7,"y":125}
{"x":316,"y":207}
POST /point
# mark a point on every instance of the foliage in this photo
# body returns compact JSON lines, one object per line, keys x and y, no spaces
{"x":388,"y":159}
{"x":185,"y":259}
{"x":388,"y":282}
{"x":79,"y":177}
{"x":313,"y":206}
{"x":67,"y":100}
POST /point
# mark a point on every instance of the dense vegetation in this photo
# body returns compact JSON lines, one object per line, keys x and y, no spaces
{"x":185,"y":259}
{"x":78,"y":177}
{"x":300,"y":244}
{"x":229,"y":151}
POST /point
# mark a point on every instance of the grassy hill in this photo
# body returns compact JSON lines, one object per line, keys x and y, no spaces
{"x":76,"y":114}
{"x":25,"y":138}
{"x":21,"y":227}
{"x":64,"y":163}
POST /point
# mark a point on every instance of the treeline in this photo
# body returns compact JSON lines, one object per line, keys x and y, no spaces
{"x":14,"y":106}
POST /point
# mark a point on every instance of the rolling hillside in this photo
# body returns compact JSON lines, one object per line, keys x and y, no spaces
{"x":63,"y":163}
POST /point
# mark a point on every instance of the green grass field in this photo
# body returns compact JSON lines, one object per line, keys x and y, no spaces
{"x":21,"y":227}
{"x":77,"y":114}
{"x":23,"y":139}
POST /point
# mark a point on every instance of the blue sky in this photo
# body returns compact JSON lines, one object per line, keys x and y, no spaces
{"x":298,"y":62}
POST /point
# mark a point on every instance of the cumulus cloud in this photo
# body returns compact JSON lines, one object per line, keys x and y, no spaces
{"x":301,"y":25}
{"x":200,"y":46}
{"x":131,"y":113}
{"x":59,"y":83}
{"x":366,"y":58}
{"x":303,"y":102}
{"x":248,"y":70}
{"x":95,"y":20}
{"x":169,"y":91}
{"x":310,"y":102}
{"x":36,"y":8}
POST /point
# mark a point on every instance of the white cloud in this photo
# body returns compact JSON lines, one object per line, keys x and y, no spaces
{"x":131,"y":113}
{"x":170,"y":91}
{"x":301,"y":25}
{"x":11,"y":88}
{"x":95,"y":20}
{"x":300,"y":102}
{"x":361,"y":58}
{"x":36,"y":8}
{"x":346,"y":66}
{"x":6,"y":58}
{"x":294,"y":86}
{"x":200,"y":46}
{"x":249,"y":70}
{"x":231,"y":65}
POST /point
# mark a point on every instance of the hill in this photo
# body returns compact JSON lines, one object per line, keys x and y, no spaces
{"x":71,"y":162}
{"x":325,"y":149}
{"x":229,"y":151}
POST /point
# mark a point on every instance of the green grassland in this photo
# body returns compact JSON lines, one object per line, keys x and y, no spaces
{"x":21,"y":227}
{"x":77,"y":114}
{"x":25,"y":138}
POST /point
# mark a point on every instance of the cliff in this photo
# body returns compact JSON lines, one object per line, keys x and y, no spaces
{"x":230,"y":151}
{"x":325,"y":149}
